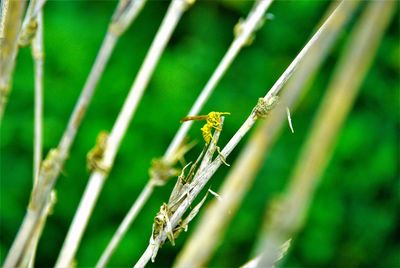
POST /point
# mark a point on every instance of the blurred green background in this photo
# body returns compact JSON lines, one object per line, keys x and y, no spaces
{"x":354,"y":220}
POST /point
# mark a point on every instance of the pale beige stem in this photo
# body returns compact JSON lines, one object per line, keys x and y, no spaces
{"x":183,"y":198}
{"x":276,"y":88}
{"x":210,"y":230}
{"x":218,"y":215}
{"x":30,"y":23}
{"x":38,"y":56}
{"x":144,"y":195}
{"x":249,"y":26}
{"x":11,"y":18}
{"x":97,"y":178}
{"x":289,"y":215}
{"x":118,"y":25}
{"x":29,"y":258}
{"x":208,"y":172}
{"x":123,"y":16}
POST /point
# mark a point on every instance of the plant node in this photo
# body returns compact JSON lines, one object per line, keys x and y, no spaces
{"x":263,"y":106}
{"x":95,"y":155}
{"x":28,"y":33}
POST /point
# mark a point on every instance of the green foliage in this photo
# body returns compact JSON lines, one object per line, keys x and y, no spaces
{"x":354,"y":220}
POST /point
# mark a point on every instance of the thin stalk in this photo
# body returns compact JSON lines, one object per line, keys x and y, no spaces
{"x":38,"y":57}
{"x":29,"y":258}
{"x":30,"y":23}
{"x":207,"y":235}
{"x":352,"y":67}
{"x":248,"y":27}
{"x":11,"y":17}
{"x":97,"y":177}
{"x":123,"y":16}
{"x":210,"y":230}
{"x":206,"y":174}
{"x":134,"y":210}
{"x":182,"y":196}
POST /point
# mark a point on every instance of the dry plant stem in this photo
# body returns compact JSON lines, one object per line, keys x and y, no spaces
{"x":33,"y":10}
{"x":117,"y":26}
{"x":11,"y":17}
{"x":3,"y":12}
{"x":203,"y":241}
{"x":290,"y":214}
{"x":276,"y":88}
{"x":36,"y":214}
{"x":198,"y":182}
{"x":29,"y":257}
{"x":97,"y":178}
{"x":32,"y":219}
{"x":87,"y":94}
{"x":38,"y":56}
{"x":249,"y":26}
{"x":208,"y":172}
{"x":30,"y":22}
{"x":210,"y":229}
{"x":308,"y":68}
{"x":124,"y":226}
{"x":134,"y":210}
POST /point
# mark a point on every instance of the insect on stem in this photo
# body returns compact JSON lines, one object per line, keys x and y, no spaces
{"x":213,"y":122}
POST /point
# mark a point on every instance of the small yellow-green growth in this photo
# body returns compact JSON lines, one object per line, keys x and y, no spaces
{"x":161,"y":221}
{"x":263,"y":106}
{"x":28,"y":33}
{"x":95,"y":155}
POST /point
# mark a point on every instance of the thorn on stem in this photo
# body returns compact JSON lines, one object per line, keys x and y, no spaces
{"x":289,"y":119}
{"x":219,"y":198}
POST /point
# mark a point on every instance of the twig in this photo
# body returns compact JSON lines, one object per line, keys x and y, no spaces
{"x":29,"y":258}
{"x":289,"y":215}
{"x":38,"y":56}
{"x":124,"y":15}
{"x":97,"y":178}
{"x":210,"y":229}
{"x":36,"y":211}
{"x":208,"y":172}
{"x":134,"y":210}
{"x":205,"y":238}
{"x":248,"y":27}
{"x":11,"y":17}
{"x":30,"y":23}
{"x":169,"y":222}
{"x":37,"y":53}
{"x":273,"y":92}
